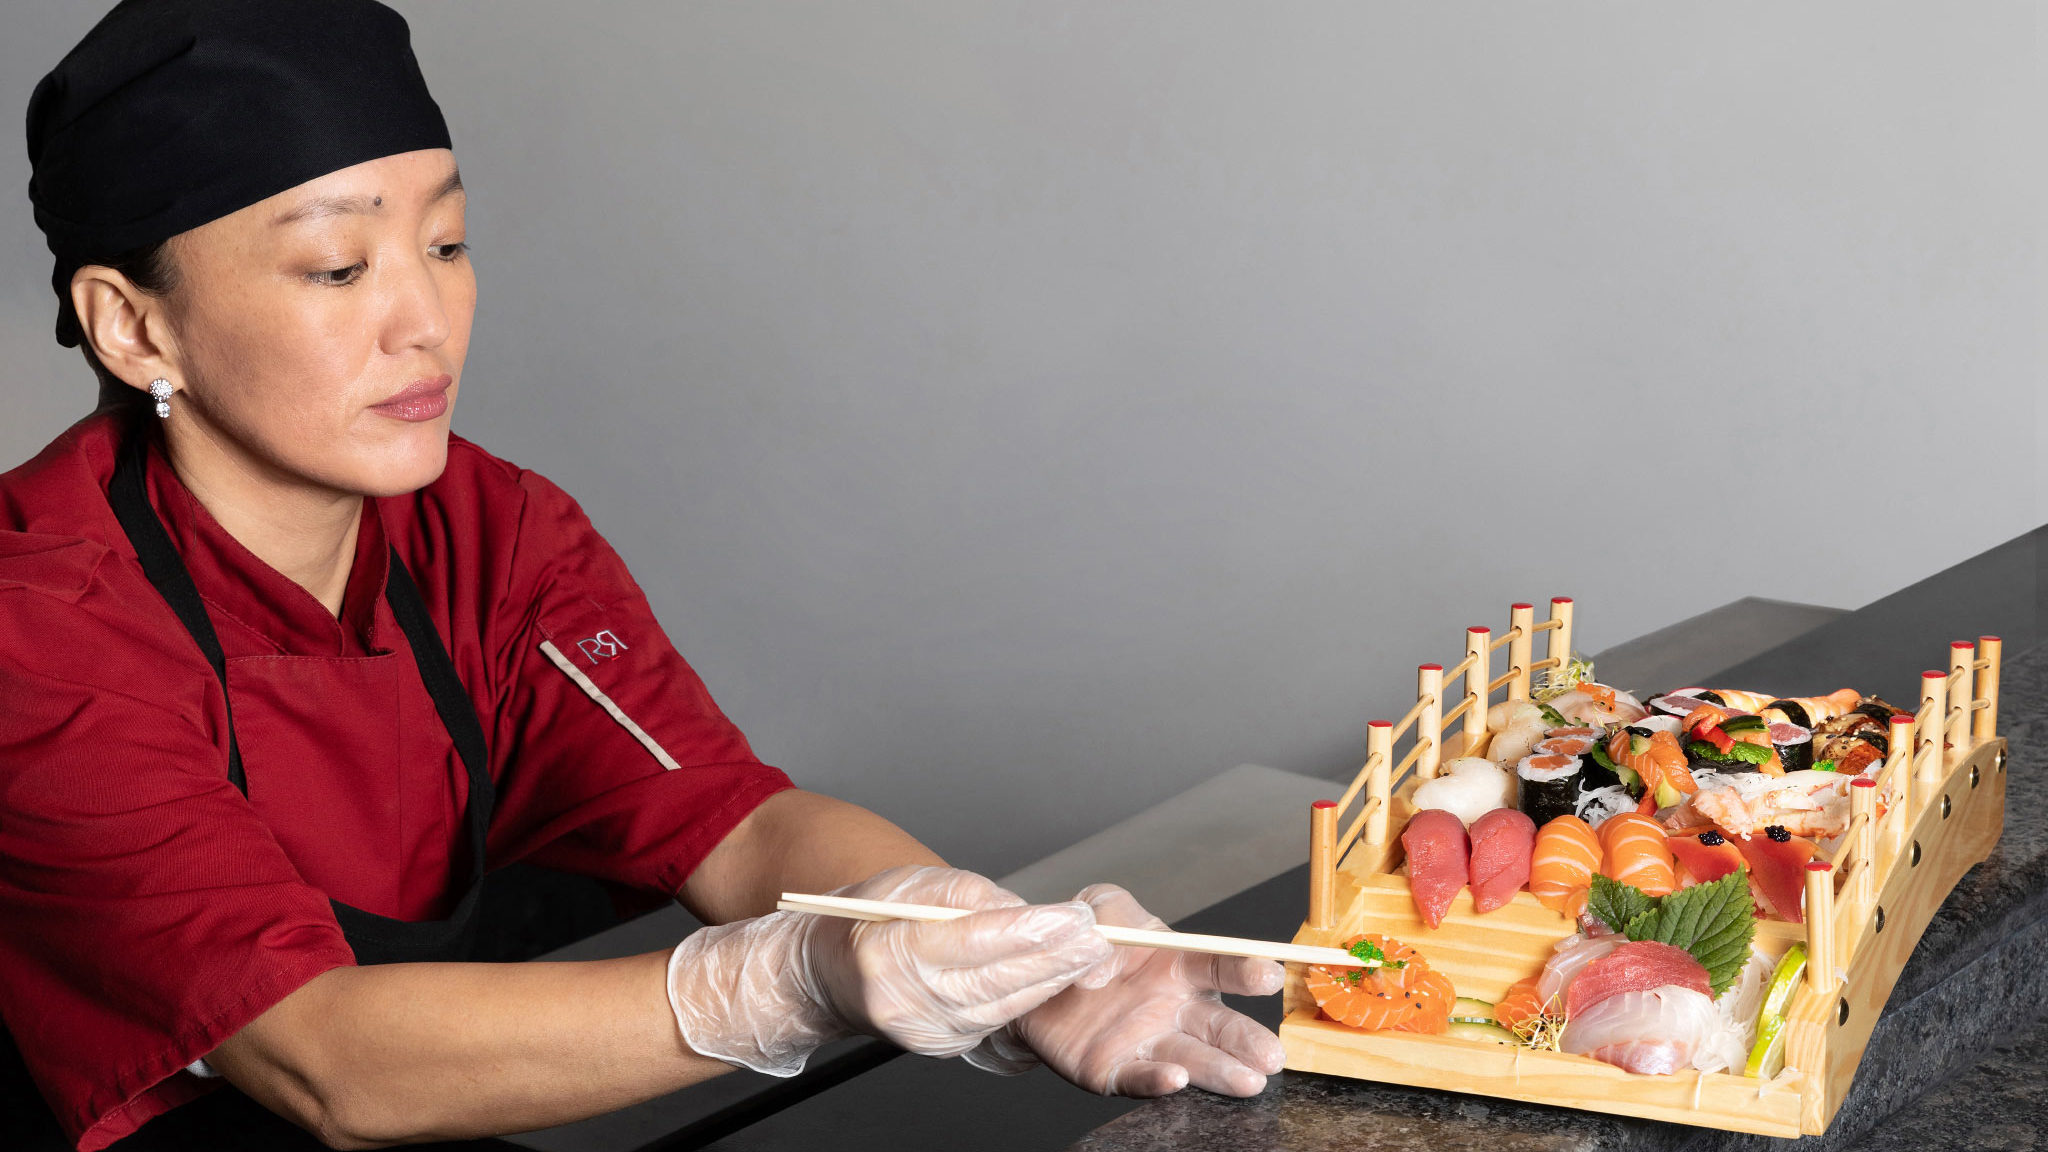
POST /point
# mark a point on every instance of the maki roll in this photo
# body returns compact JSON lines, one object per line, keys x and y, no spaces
{"x":1786,"y":712}
{"x":1794,"y":745}
{"x":1550,"y":786}
{"x":1680,"y":704}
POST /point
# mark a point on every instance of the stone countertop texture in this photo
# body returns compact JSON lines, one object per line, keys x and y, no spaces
{"x":1956,"y":1060}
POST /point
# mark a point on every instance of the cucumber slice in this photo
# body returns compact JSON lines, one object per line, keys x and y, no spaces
{"x":1484,"y":1033}
{"x":1784,"y":981}
{"x":1767,"y":1058}
{"x":1668,"y":796}
{"x":1734,"y":724}
{"x":1553,"y":717}
{"x":1466,"y":1006}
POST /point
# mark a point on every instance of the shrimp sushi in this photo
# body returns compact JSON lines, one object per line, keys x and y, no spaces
{"x":1550,"y":786}
{"x":1439,"y":861}
{"x":1567,"y":854}
{"x":1635,"y":852}
{"x":1403,"y":995}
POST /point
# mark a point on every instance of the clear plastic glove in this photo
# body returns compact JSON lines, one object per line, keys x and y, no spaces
{"x":765,"y":993}
{"x":1147,"y":1022}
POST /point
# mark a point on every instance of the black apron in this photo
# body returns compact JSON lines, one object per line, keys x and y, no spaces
{"x":226,"y":1119}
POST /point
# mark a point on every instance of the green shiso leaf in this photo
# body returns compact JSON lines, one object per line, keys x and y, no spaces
{"x":1715,"y":922}
{"x":1615,"y":903}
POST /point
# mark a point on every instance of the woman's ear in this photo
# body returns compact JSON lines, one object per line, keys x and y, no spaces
{"x":124,"y":326}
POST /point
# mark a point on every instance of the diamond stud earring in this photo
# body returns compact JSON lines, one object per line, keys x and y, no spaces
{"x":160,"y":390}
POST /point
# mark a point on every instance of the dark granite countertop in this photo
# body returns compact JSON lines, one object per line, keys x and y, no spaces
{"x":1957,"y":1059}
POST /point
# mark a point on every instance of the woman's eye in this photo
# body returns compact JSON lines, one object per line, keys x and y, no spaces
{"x":338,"y":276}
{"x":451,"y":251}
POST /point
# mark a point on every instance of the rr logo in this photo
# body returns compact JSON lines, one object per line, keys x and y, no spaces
{"x":603,"y":646}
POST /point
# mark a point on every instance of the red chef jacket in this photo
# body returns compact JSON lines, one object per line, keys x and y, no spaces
{"x":148,"y":909}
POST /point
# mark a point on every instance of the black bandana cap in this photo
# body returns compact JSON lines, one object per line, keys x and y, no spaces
{"x":171,"y":113}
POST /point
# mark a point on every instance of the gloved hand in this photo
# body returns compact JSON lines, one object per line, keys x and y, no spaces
{"x":1147,"y":1022}
{"x":765,"y":993}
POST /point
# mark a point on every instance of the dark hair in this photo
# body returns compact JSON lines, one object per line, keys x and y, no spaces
{"x":151,"y":269}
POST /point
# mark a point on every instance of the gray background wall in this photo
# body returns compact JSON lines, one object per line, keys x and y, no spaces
{"x":1021,"y":411}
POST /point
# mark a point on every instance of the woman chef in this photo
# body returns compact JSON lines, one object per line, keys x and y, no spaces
{"x":285,"y":668}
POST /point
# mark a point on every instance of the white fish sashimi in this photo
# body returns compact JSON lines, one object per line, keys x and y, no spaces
{"x":1656,"y":1033}
{"x":1572,"y":954}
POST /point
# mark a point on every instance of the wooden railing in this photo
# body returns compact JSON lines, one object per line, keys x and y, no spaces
{"x":1472,"y":681}
{"x":1958,"y":710}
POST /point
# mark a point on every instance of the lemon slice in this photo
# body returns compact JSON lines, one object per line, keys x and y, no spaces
{"x":1767,"y":1059}
{"x":1784,"y":981}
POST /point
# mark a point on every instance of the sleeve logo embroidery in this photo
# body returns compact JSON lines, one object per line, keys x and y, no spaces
{"x":601,"y":647}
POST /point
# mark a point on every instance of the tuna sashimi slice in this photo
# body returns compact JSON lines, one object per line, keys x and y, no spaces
{"x":1503,"y":841}
{"x":1439,"y":861}
{"x":1777,"y":872}
{"x":1700,"y":862}
{"x":1636,"y":966}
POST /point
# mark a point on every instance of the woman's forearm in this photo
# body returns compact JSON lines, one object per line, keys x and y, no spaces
{"x":399,"y":1053}
{"x":407,"y":1052}
{"x":796,"y":841}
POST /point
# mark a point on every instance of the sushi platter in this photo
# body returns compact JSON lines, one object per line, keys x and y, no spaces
{"x":1687,"y":906}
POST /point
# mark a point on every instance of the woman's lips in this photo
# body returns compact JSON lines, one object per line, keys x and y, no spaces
{"x":418,"y":401}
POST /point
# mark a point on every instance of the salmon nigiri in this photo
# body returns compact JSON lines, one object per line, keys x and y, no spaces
{"x":1410,"y":998}
{"x":1635,"y":852}
{"x":1561,"y":872}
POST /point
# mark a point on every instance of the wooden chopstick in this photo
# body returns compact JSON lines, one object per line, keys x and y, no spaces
{"x":852,"y":909}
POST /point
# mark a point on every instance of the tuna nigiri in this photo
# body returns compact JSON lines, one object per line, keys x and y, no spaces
{"x":1410,"y":998}
{"x":1503,"y":842}
{"x":1567,"y":854}
{"x":1439,"y":861}
{"x":1635,"y":852}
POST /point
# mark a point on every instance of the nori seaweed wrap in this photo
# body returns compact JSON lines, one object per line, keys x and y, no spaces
{"x":1792,"y":710}
{"x":1795,"y":746}
{"x":1550,"y":786}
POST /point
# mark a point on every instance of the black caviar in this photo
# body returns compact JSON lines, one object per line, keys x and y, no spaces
{"x":1712,"y":839}
{"x":1777,"y":832}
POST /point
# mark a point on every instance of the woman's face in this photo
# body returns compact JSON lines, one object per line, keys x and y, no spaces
{"x":320,"y":333}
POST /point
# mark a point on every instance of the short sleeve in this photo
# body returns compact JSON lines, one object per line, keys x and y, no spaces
{"x":146,"y":914}
{"x":616,"y":762}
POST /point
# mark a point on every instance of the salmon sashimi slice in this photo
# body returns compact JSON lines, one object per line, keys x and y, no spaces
{"x":1519,"y":1004}
{"x":1379,"y":999}
{"x":1566,"y":855}
{"x":1636,"y":853}
{"x":1434,"y":998}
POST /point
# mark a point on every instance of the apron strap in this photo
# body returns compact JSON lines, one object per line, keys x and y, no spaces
{"x":161,"y":563}
{"x":451,"y":700}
